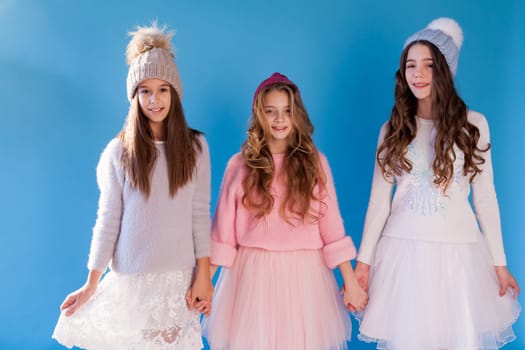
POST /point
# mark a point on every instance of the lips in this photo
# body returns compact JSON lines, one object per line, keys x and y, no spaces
{"x":420,"y":85}
{"x":282,"y":128}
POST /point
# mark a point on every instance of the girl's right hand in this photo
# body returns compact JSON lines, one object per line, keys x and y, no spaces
{"x":78,"y":298}
{"x":354,"y":297}
{"x":362,"y":274}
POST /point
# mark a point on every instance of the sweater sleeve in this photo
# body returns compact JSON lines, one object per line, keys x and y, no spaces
{"x":377,"y":212}
{"x":484,"y":197}
{"x":338,"y":247}
{"x":224,"y":236}
{"x":107,"y":227}
{"x":201,"y":203}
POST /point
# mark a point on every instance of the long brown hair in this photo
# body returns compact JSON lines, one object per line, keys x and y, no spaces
{"x":302,"y":169}
{"x":450,"y":119}
{"x":140,"y":153}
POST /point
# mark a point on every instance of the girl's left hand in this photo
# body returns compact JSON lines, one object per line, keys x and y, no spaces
{"x":199,"y":295}
{"x":506,"y":282}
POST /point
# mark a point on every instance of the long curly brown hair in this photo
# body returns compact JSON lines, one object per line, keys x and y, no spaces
{"x":140,"y":153}
{"x":450,"y":119}
{"x":302,"y":171}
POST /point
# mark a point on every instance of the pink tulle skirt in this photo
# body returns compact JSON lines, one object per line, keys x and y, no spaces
{"x":427,"y":295}
{"x":277,"y":300}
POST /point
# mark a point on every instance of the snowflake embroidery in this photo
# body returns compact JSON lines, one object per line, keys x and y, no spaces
{"x":422,"y":195}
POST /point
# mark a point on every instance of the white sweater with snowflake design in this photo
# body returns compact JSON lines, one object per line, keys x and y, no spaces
{"x":421,"y":211}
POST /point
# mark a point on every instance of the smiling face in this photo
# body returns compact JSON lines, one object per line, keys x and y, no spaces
{"x":155,"y":100}
{"x":418,"y":72}
{"x":276,"y":108}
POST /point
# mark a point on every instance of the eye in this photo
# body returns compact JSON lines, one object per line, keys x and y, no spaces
{"x":430,"y":65}
{"x":410,"y":65}
{"x":269,"y":112}
{"x":143,"y":91}
{"x":164,"y":89}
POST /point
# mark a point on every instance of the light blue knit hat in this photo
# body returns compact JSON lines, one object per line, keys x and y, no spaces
{"x":446,"y":35}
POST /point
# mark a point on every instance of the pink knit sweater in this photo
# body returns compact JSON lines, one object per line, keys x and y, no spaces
{"x":234,"y":225}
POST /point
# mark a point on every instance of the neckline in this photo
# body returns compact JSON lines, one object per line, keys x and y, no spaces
{"x":425,"y":121}
{"x":278,"y":157}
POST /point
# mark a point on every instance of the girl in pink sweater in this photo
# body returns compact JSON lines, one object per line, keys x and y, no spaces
{"x":277,"y":232}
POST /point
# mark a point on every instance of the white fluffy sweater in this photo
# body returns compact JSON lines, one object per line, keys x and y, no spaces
{"x":156,"y":234}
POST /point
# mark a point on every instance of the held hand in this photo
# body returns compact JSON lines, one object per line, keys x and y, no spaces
{"x":199,"y":295}
{"x":362,"y":274}
{"x":354,"y":297}
{"x":349,"y":307}
{"x":76,"y":299}
{"x":506,"y":282}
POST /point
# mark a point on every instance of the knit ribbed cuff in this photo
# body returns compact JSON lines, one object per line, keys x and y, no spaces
{"x":222,"y":254}
{"x":338,"y":252}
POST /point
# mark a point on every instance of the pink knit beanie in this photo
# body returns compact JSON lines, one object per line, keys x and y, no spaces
{"x":275,"y":78}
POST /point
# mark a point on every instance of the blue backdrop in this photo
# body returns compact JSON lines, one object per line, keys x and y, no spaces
{"x":62,"y":93}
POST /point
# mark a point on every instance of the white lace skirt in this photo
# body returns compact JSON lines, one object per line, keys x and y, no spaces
{"x":132,"y":312}
{"x":426,"y":295}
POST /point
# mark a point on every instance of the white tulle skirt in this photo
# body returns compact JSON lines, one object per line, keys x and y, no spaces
{"x":277,"y":301}
{"x":134,"y":312}
{"x":431,"y":296}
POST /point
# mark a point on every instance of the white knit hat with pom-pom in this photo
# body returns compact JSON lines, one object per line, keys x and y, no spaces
{"x":446,"y":35}
{"x":149,"y":56}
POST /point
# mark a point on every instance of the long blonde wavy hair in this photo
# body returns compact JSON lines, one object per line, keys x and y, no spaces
{"x":302,"y":170}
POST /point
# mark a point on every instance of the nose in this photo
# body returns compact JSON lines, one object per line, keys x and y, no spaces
{"x":418,"y":72}
{"x":152,"y":98}
{"x":279,"y":116}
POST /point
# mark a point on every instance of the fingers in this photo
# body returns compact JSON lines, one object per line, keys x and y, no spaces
{"x":204,"y":307}
{"x":70,"y":300}
{"x":354,"y":308}
{"x":360,"y":307}
{"x":515,"y":288}
{"x":351,"y":308}
{"x":511,"y":285}
{"x":189,"y":300}
{"x":194,"y":302}
{"x":516,"y":292}
{"x":71,"y":310}
{"x":72,"y":303}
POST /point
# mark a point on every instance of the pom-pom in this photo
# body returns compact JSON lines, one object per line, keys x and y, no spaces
{"x":147,"y":38}
{"x":449,"y":27}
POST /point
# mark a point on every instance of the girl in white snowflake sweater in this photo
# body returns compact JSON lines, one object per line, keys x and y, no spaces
{"x":435,"y":270}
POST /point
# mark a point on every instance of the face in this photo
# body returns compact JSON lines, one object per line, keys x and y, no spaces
{"x":154,"y":99}
{"x":418,"y":71}
{"x":276,"y":107}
